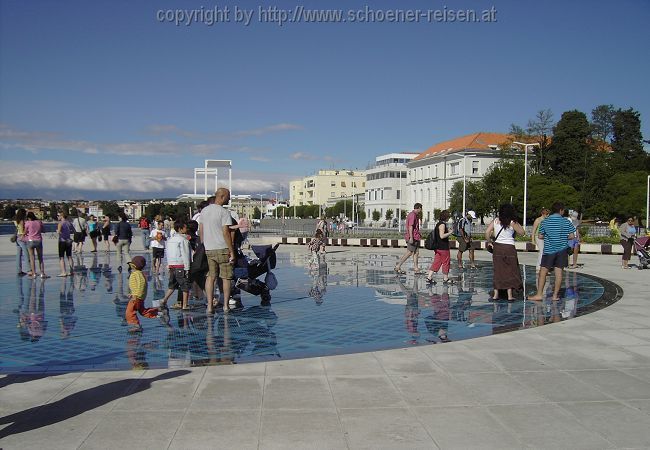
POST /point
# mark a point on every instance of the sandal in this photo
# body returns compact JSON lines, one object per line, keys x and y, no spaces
{"x":431,"y":281}
{"x":419,"y":272}
{"x":448,"y":281}
{"x":399,"y":271}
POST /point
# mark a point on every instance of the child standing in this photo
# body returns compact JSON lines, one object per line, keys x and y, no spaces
{"x":138,"y":292}
{"x":158,"y":238}
{"x":317,"y":248}
{"x":178,"y":262}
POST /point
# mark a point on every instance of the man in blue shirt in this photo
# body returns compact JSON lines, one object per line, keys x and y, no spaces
{"x":555,"y":231}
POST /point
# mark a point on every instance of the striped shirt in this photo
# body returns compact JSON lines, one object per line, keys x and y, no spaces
{"x":556,"y":230}
{"x":138,"y":284}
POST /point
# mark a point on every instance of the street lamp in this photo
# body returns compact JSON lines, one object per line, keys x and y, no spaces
{"x":275,"y":210}
{"x":526,"y":173}
{"x":647,"y":207}
{"x":465,"y":180}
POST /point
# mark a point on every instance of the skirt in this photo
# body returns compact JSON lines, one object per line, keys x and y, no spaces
{"x":507,"y":274}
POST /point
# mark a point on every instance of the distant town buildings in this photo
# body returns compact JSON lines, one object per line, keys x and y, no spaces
{"x":386,"y":181}
{"x":328,"y":184}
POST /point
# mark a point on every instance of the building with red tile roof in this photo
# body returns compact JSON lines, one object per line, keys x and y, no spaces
{"x":433,"y":172}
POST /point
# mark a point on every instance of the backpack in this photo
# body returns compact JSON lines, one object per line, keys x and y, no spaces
{"x":431,"y":243}
{"x":457,"y":227}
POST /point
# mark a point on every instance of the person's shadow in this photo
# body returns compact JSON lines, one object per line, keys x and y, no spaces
{"x":78,"y":403}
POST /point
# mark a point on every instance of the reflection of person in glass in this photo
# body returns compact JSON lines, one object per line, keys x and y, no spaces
{"x":67,"y":319}
{"x":318,"y":289}
{"x":411,"y":310}
{"x":32,"y":321}
{"x":438,"y":323}
{"x":570,"y":303}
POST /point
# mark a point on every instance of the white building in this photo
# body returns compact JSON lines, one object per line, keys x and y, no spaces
{"x":386,"y":181}
{"x":432,"y":173}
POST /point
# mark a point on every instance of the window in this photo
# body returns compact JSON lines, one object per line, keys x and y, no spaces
{"x":332,"y":194}
{"x":428,"y":172}
{"x":343,"y":184}
{"x":332,"y":183}
{"x":398,"y":194}
{"x":453,"y":168}
{"x":420,"y":177}
{"x":382,"y":194}
{"x":354,"y":184}
{"x":435,"y":171}
{"x":474,"y":167}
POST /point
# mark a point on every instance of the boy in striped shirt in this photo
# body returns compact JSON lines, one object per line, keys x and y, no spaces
{"x":555,"y":230}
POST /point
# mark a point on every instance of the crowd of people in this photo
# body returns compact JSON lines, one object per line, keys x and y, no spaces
{"x":555,"y":233}
{"x":217,"y":232}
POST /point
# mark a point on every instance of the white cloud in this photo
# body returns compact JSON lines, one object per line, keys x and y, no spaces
{"x":42,"y":176}
{"x":303,"y":156}
{"x":12,"y":139}
{"x":166,"y":129}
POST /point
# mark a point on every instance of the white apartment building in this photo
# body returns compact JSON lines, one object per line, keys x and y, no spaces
{"x":386,"y":181}
{"x":328,"y":184}
{"x":432,"y":173}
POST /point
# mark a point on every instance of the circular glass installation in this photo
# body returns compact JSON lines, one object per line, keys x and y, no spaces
{"x":352,"y":302}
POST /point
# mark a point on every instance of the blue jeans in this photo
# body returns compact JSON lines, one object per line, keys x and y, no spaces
{"x":21,"y":251}
{"x":145,"y":239}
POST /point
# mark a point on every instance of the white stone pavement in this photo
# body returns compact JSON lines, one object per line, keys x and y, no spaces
{"x":582,"y":383}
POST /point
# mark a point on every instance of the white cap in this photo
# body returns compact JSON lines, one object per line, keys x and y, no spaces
{"x":472,"y":214}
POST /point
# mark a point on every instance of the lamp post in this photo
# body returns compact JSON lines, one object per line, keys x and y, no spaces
{"x":275,"y":210}
{"x":526,"y":174}
{"x":465,"y":180}
{"x":647,"y":207}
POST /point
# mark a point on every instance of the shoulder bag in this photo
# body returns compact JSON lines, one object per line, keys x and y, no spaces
{"x":490,"y":247}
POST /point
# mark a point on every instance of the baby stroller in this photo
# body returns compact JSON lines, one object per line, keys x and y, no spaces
{"x":641,"y":247}
{"x":247,"y":270}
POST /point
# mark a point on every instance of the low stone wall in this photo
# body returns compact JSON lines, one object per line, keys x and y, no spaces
{"x":598,"y":249}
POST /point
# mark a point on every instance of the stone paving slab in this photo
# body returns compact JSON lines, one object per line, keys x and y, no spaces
{"x":563,"y":385}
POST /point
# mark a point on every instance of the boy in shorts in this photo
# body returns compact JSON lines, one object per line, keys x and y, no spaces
{"x":158,"y":238}
{"x":178,"y":262}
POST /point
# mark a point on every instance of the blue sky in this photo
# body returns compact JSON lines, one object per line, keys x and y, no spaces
{"x":101,"y":100}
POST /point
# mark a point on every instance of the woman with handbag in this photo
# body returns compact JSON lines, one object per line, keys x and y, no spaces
{"x":442,"y":258}
{"x":507,"y":274}
{"x":19,"y":239}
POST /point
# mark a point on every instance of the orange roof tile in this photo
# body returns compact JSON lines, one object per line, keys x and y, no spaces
{"x":473,"y":142}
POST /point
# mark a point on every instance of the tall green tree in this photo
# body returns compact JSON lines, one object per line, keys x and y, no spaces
{"x":627,"y":142}
{"x":602,"y":122}
{"x":569,"y":149}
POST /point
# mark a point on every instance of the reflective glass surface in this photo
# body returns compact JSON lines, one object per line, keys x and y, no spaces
{"x":350,"y":302}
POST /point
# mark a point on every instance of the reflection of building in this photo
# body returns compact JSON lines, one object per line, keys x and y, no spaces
{"x":386,"y":181}
{"x":318,"y":188}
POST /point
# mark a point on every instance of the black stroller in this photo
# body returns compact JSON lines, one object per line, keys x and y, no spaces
{"x":248,"y":270}
{"x":641,"y":247}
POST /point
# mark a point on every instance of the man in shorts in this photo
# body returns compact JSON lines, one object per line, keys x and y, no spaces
{"x":555,"y":231}
{"x":465,"y":239}
{"x":214,"y":231}
{"x":412,"y":236}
